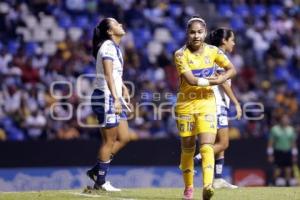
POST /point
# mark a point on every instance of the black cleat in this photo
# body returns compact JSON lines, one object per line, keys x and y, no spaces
{"x":92,"y":174}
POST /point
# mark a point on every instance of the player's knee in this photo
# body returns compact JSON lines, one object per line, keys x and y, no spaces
{"x":187,"y":154}
{"x":206,"y":149}
{"x":224,"y":144}
{"x":188,"y":150}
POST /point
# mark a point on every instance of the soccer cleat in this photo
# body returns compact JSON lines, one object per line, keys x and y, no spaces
{"x":188,"y":193}
{"x":106,"y":187}
{"x":222,"y":183}
{"x":207,"y":192}
{"x":92,"y":174}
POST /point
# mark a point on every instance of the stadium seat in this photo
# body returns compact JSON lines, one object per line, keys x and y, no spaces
{"x":65,"y":21}
{"x":162,"y":35}
{"x":171,"y":47}
{"x":258,"y":10}
{"x":81,"y":22}
{"x":276,"y":10}
{"x":75,"y":33}
{"x":175,"y":10}
{"x":30,"y":21}
{"x":242,"y":10}
{"x":31,"y":48}
{"x":49,"y":48}
{"x":57,"y":34}
{"x":48,"y":22}
{"x":237,"y":24}
{"x":225,"y":10}
{"x":40,"y":34}
{"x":13,"y":46}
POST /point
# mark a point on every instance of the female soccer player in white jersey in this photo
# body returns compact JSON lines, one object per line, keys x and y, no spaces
{"x":224,"y":39}
{"x":107,"y":97}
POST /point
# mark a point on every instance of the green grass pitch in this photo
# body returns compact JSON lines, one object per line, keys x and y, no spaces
{"x":253,"y":193}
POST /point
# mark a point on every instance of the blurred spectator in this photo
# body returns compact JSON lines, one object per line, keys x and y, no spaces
{"x":282,"y":151}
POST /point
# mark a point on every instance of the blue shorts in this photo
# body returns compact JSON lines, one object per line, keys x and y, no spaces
{"x":222,"y":117}
{"x":102,"y":106}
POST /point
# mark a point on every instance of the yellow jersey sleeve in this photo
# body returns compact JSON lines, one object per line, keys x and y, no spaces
{"x":221,"y":59}
{"x":181,"y":62}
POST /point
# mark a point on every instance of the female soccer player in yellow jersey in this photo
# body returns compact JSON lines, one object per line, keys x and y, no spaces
{"x":224,"y":39}
{"x":196,"y":106}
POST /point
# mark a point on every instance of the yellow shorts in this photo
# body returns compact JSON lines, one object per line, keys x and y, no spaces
{"x":194,"y":124}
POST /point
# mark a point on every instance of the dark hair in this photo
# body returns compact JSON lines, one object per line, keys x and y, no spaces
{"x":216,"y":36}
{"x":195,"y":18}
{"x":100,"y":35}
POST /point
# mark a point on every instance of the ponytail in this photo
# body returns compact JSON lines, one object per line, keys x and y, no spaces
{"x":100,"y":34}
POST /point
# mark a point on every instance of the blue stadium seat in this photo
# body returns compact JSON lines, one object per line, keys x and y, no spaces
{"x":259,"y":10}
{"x":281,"y":73}
{"x":141,"y":36}
{"x":178,"y":35}
{"x":65,"y":21}
{"x":293,"y":84}
{"x":225,"y":10}
{"x":13,"y":46}
{"x":81,"y":22}
{"x":175,"y":10}
{"x":31,"y":48}
{"x":170,"y":24}
{"x":242,"y":10}
{"x":237,"y":23}
{"x":276,"y":10}
{"x":171,"y":47}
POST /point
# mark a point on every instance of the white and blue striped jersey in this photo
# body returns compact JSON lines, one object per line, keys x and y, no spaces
{"x":221,"y":98}
{"x":109,"y":50}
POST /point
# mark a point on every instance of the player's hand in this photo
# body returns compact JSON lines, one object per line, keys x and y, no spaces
{"x":238,"y":111}
{"x":217,"y":79}
{"x":271,"y":159}
{"x":118,"y":106}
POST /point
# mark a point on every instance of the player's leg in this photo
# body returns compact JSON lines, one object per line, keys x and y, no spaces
{"x":206,"y":127}
{"x":109,"y":136}
{"x":185,"y":124}
{"x":222,"y":142}
{"x":188,"y":147}
{"x":123,"y":137}
{"x":108,"y":121}
{"x":207,"y":154}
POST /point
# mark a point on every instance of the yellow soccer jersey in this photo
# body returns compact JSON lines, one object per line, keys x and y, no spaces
{"x":195,"y":99}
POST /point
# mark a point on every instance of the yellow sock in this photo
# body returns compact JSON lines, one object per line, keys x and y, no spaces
{"x":208,"y":162}
{"x":187,"y":165}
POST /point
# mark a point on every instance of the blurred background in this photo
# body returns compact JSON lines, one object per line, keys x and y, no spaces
{"x":47,"y":131}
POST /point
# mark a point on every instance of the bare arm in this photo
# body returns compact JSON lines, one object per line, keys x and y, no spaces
{"x":227,"y":89}
{"x":194,"y":81}
{"x":108,"y":71}
{"x":229,"y":73}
